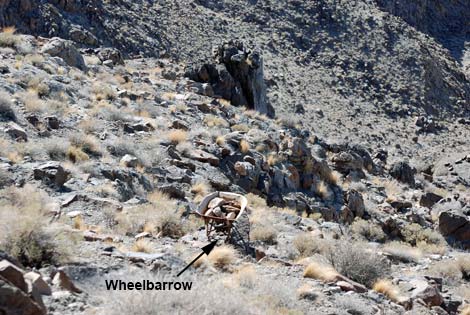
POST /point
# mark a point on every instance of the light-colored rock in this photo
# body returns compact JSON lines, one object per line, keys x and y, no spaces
{"x":16,"y":132}
{"x":129,"y":160}
{"x":65,"y":49}
{"x":38,"y":282}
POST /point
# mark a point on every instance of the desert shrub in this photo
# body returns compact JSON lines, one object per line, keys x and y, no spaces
{"x":264,"y":233}
{"x":358,"y":264}
{"x":222,"y":257}
{"x":244,"y":146}
{"x":6,"y":108}
{"x":177,"y":136}
{"x":308,"y":245}
{"x":8,"y":38}
{"x":5,"y":178}
{"x":142,"y":246}
{"x":23,"y":221}
{"x":159,"y":216}
{"x":56,"y":148}
{"x":387,"y":288}
{"x":86,"y":143}
{"x":403,"y":252}
{"x":214,"y":121}
{"x":368,"y":230}
{"x":320,"y":271}
{"x":416,"y":234}
{"x":217,"y":294}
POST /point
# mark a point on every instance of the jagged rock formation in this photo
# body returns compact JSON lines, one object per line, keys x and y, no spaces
{"x":237,"y":76}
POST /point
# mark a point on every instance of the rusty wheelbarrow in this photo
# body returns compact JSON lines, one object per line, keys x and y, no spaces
{"x":220,"y":210}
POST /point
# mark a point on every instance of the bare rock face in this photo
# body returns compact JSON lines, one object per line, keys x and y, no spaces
{"x":237,"y":75}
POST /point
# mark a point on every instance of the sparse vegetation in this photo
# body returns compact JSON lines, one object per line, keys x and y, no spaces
{"x":244,"y":146}
{"x":403,"y":252}
{"x":142,"y":246}
{"x":387,"y":288}
{"x":6,"y":108}
{"x":368,"y":230}
{"x":358,"y":264}
{"x":222,"y":257}
{"x":264,"y":233}
{"x":308,"y":245}
{"x":320,"y":271}
{"x":177,"y":136}
{"x":159,"y":216}
{"x":23,"y":227}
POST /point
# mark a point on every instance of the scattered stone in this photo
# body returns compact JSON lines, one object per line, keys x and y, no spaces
{"x":14,"y":301}
{"x":16,"y":132}
{"x":455,"y":225}
{"x":13,"y":274}
{"x":429,"y":199}
{"x":403,"y":172}
{"x":51,"y":172}
{"x":92,"y":236}
{"x":129,"y":161}
{"x":38,"y":283}
{"x":427,"y":292}
{"x":202,"y":156}
{"x":65,"y":49}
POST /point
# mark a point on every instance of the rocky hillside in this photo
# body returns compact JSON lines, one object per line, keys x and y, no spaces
{"x":345,"y":127}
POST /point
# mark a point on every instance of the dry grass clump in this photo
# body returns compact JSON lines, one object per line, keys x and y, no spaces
{"x":159,"y":216}
{"x":387,"y":288}
{"x":319,"y":271}
{"x":87,"y":143}
{"x":32,"y":102}
{"x":403,"y":252}
{"x":142,"y":246}
{"x":392,"y":188}
{"x":288,"y":121}
{"x":332,"y":177}
{"x":76,"y":154}
{"x":103,"y":91}
{"x":264,"y":233}
{"x":208,"y":295}
{"x":307,"y":244}
{"x":323,"y":190}
{"x":426,"y":239}
{"x":38,"y":86}
{"x":177,"y":136}
{"x":255,"y":201}
{"x":368,"y":230}
{"x":465,"y":310}
{"x":8,"y":38}
{"x":453,"y":270}
{"x":357,"y":263}
{"x":23,"y":227}
{"x":244,"y":146}
{"x":223,"y":257}
{"x":214,"y":121}
{"x":220,"y":141}
{"x":240,"y":127}
{"x":246,"y":276}
{"x":200,"y":189}
{"x":273,"y":159}
{"x":6,"y":107}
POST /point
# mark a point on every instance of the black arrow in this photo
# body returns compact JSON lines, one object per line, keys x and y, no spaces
{"x":205,"y":250}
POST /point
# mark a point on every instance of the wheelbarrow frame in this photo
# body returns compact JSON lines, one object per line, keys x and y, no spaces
{"x":213,"y":223}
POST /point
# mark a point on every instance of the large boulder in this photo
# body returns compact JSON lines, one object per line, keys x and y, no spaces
{"x":51,"y":173}
{"x":14,"y":301}
{"x":455,"y":226}
{"x":403,"y":172}
{"x":65,"y":49}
